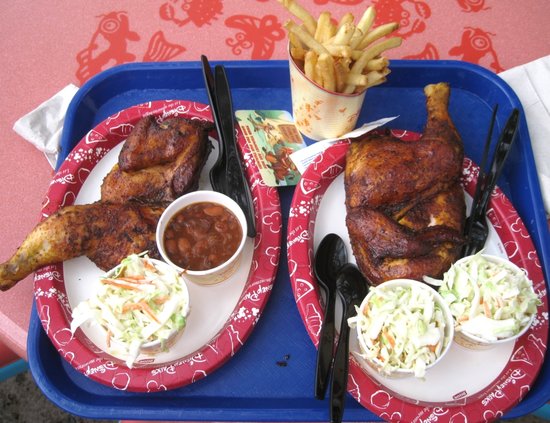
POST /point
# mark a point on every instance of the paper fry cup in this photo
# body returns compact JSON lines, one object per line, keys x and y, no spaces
{"x":320,"y":114}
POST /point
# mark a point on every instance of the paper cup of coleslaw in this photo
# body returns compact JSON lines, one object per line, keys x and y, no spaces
{"x":491,"y":299}
{"x":141,"y":306}
{"x":403,"y":327}
{"x":320,"y":114}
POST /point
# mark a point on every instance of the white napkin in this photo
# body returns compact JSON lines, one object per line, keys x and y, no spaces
{"x":531,"y":82}
{"x":42,"y":127}
{"x":303,"y":158}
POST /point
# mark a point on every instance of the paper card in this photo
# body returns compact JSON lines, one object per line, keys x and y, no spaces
{"x":272,"y":137}
{"x":304,"y":157}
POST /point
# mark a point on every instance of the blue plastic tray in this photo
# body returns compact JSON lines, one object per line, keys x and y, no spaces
{"x":271,"y":377}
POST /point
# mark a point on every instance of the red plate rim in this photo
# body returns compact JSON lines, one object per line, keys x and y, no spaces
{"x":528,"y":354}
{"x":49,"y":289}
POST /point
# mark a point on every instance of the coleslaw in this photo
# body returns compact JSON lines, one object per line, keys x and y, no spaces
{"x":401,"y":326}
{"x":139,"y":302}
{"x":489,"y":297}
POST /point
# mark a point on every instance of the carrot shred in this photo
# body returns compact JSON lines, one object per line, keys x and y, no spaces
{"x":161,"y":299}
{"x":117,"y":283}
{"x":433,"y":348}
{"x":149,"y":265}
{"x":143,"y":306}
{"x":135,"y":279}
{"x":389,"y":338}
{"x":487,"y":309}
{"x":130,"y":306}
{"x":109,"y":336}
{"x":147,"y":309}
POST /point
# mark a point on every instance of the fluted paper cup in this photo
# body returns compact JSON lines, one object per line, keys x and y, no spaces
{"x":320,"y":114}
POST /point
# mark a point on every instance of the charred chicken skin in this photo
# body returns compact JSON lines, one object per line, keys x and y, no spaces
{"x":104,"y":232}
{"x":159,"y":161}
{"x":404,"y":201}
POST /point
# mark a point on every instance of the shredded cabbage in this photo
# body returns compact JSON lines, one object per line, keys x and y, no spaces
{"x":138,"y":302}
{"x":488,"y":299}
{"x":401,"y":328}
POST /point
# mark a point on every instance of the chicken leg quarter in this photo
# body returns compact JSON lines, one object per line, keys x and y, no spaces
{"x":105,"y":232}
{"x":404,"y":201}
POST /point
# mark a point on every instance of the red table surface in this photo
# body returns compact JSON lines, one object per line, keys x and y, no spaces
{"x":47,"y":45}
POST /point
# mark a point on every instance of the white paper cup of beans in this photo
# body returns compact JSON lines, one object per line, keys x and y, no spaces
{"x":320,"y":114}
{"x":202,"y":234}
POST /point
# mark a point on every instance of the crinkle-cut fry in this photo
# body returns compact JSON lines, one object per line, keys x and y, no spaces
{"x":363,"y":26}
{"x":338,"y":50}
{"x":305,"y":37}
{"x":325,"y":67}
{"x":297,"y":10}
{"x":378,"y":63}
{"x":377,"y":33}
{"x":344,"y":34}
{"x":325,"y":29}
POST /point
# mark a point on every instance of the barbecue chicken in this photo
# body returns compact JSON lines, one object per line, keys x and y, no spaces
{"x":159,"y":161}
{"x":104,"y":232}
{"x":404,"y":201}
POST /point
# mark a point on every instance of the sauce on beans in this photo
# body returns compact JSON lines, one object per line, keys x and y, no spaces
{"x":202,"y":236}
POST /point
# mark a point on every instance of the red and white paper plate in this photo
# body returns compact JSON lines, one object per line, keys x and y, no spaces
{"x":222,"y":316}
{"x":467,"y":385}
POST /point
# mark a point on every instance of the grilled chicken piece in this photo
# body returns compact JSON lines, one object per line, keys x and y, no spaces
{"x":104,"y":232}
{"x":159,"y":161}
{"x":405,"y":205}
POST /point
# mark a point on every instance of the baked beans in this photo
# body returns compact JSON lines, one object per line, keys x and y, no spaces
{"x":202,"y":236}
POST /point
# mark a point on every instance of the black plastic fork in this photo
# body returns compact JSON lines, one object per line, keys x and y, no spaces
{"x":477,"y":227}
{"x":227,"y":175}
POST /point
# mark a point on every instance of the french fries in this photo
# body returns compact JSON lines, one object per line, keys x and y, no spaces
{"x":343,"y":57}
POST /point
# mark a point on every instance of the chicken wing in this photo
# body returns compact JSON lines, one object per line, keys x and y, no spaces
{"x":405,"y":205}
{"x":159,"y":161}
{"x":105,"y":232}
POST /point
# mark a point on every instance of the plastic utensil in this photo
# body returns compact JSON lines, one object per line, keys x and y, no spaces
{"x":227,"y":174}
{"x":477,"y":228}
{"x":352,"y":289}
{"x":218,"y":169}
{"x":235,"y":181}
{"x":330,"y":256}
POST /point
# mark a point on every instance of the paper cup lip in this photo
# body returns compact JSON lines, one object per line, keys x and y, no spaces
{"x":336,"y":93}
{"x":482,"y":342}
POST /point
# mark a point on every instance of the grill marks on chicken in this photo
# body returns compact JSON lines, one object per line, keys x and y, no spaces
{"x":405,"y":205}
{"x":104,"y":232}
{"x":159,"y":161}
